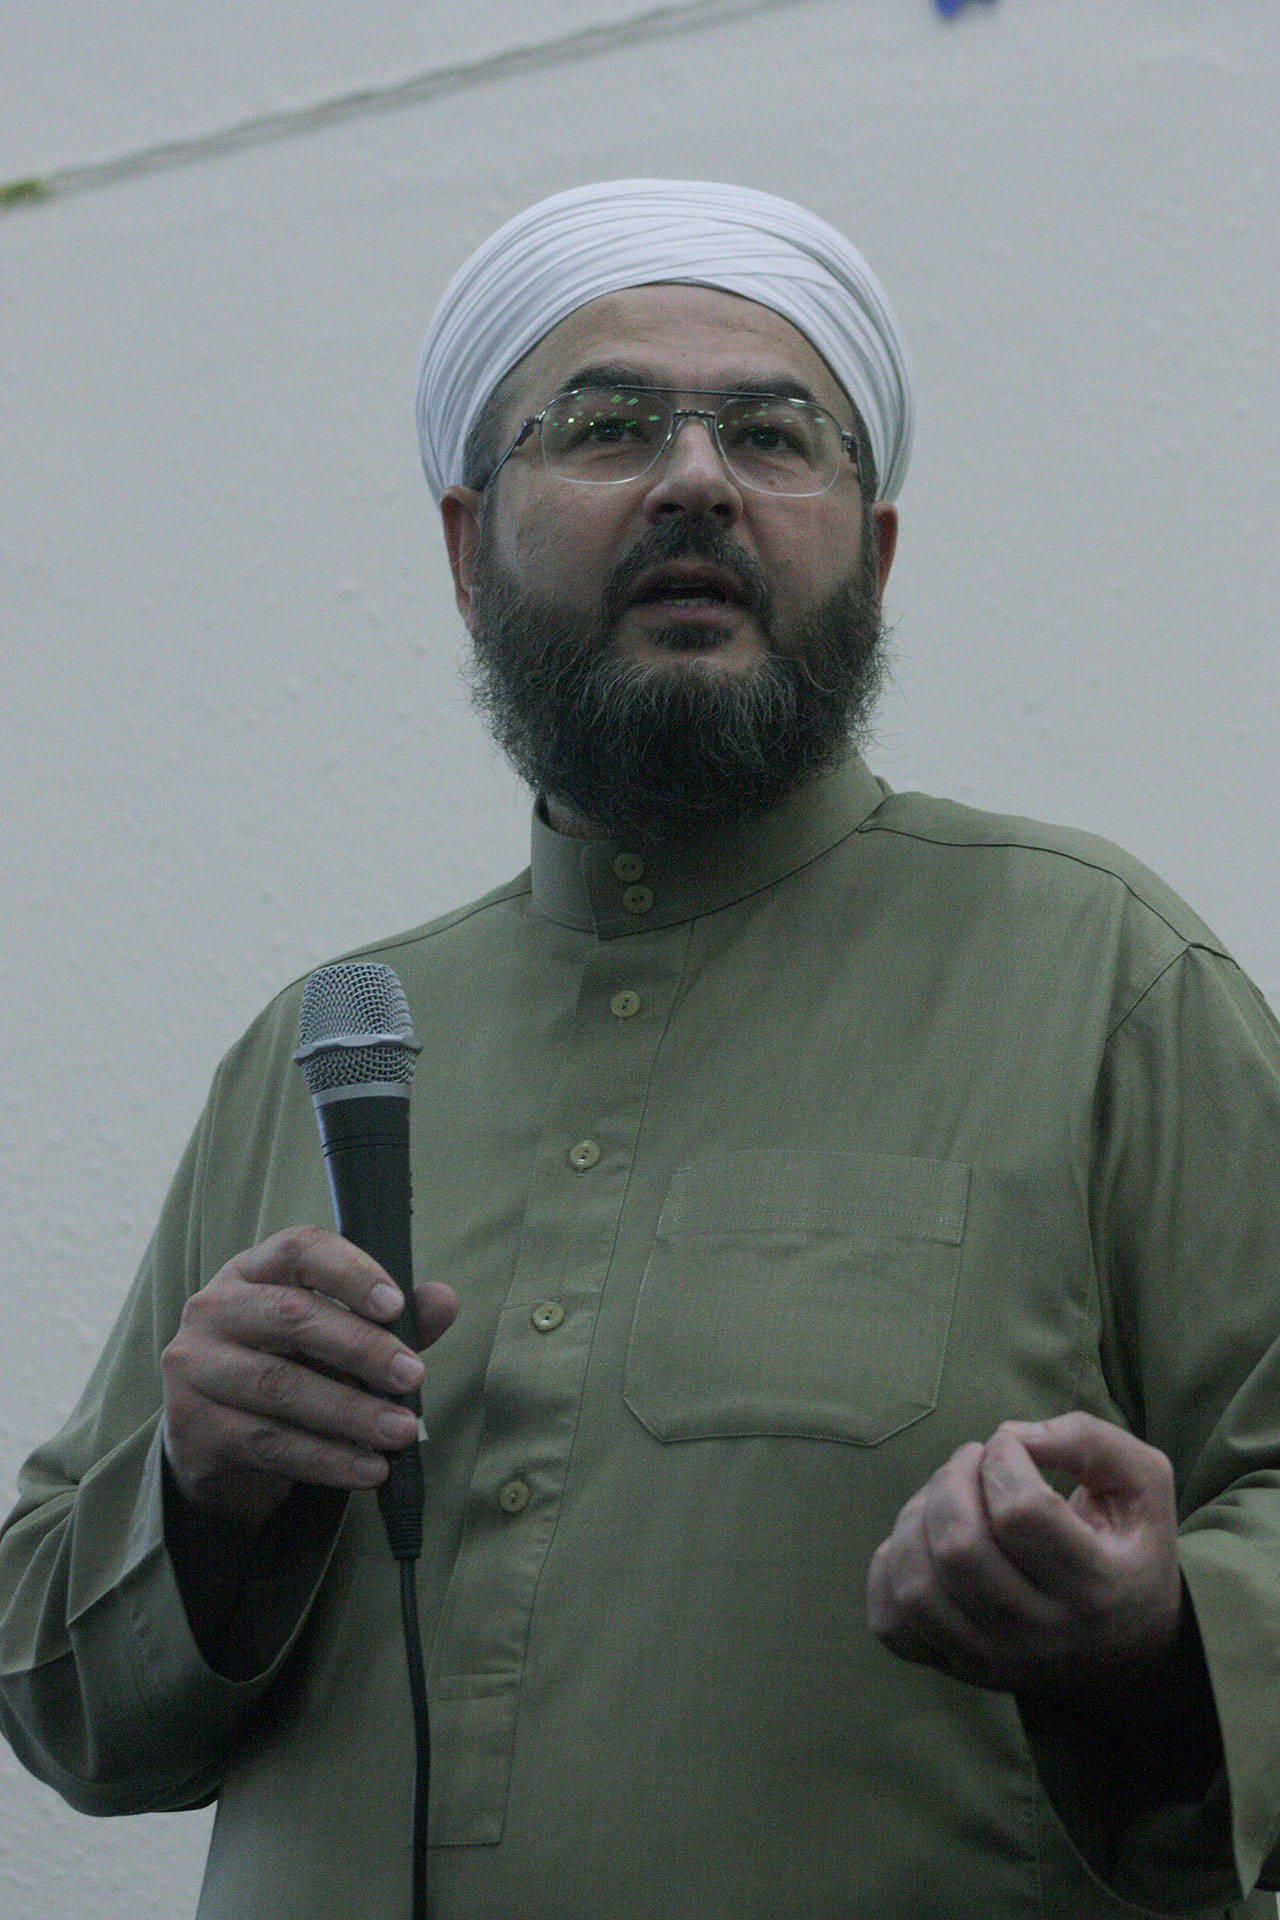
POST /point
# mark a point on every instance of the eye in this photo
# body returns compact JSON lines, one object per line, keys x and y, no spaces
{"x":602,"y":421}
{"x":766,"y":436}
{"x":770,"y":430}
{"x":613,"y":429}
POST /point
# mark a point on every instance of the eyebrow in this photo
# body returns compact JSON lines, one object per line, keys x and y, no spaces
{"x":617,"y":373}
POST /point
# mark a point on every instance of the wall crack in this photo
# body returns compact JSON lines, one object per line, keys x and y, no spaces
{"x":669,"y":21}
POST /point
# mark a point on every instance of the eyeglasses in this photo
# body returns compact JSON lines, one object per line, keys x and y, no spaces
{"x":771,"y":443}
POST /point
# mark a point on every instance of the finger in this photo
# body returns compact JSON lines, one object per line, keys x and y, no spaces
{"x":939,"y":1591}
{"x":285,"y":1323}
{"x":1109,"y":1460}
{"x":284,"y":1392}
{"x":323,"y":1263}
{"x":911,"y":1615}
{"x":218,"y":1391}
{"x":1037,"y":1530}
{"x":436,"y":1308}
{"x":236,"y":1443}
{"x":969,"y":1558}
{"x":224,"y":1453}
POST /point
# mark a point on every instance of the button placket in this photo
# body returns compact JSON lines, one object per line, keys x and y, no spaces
{"x":532,"y":1387}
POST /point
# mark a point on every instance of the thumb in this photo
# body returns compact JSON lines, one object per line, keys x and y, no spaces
{"x":435,"y":1309}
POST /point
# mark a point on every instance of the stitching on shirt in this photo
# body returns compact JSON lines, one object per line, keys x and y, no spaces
{"x":499,"y":897}
{"x":1052,"y":853}
{"x":1177,"y":959}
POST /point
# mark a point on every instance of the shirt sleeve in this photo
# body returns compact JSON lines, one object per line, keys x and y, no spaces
{"x":1186,"y":1229}
{"x":104,"y":1692}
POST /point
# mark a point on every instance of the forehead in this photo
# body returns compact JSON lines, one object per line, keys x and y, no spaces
{"x":673,"y":336}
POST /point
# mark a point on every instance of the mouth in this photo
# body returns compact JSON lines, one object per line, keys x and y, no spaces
{"x":689,"y":589}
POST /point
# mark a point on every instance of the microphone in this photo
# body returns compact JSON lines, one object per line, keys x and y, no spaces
{"x":356,"y":1049}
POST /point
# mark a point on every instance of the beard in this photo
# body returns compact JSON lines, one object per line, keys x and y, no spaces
{"x":652,"y":753}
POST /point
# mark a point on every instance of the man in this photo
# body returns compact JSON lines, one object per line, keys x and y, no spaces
{"x":852,"y":1473}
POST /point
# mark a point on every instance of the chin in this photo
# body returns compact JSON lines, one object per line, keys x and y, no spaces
{"x":702,"y":647}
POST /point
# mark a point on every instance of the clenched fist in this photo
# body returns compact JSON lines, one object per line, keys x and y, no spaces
{"x":996,"y":1578}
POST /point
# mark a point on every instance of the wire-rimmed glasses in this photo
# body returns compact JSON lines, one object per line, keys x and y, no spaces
{"x":601,"y":436}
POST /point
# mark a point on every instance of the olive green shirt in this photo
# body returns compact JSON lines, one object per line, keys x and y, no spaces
{"x":767,"y":1175}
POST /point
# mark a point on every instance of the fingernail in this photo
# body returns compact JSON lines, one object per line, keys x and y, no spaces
{"x":406,"y":1370}
{"x":386,"y":1300}
{"x":397,"y":1427}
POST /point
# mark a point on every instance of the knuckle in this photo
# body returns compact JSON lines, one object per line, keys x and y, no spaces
{"x":293,"y":1309}
{"x":954,"y":1544}
{"x":287,"y":1253}
{"x":296,"y":1242}
{"x":198,"y":1313}
{"x":1162,"y":1477}
{"x":173,"y":1360}
{"x":270,"y":1449}
{"x":1015,"y":1512}
{"x":180,"y":1359}
{"x":277,"y":1384}
{"x":1016,"y":1499}
{"x":912,"y":1591}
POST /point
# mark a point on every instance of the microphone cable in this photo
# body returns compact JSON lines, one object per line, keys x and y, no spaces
{"x":356,"y":1048}
{"x":401,"y":1498}
{"x":421,"y":1733}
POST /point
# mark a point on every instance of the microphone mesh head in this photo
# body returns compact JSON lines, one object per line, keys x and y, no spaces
{"x":354,"y":1029}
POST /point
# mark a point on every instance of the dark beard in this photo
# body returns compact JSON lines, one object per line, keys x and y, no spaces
{"x":645,"y":754}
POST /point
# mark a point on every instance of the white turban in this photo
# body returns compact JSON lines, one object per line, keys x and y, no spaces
{"x":556,"y":256}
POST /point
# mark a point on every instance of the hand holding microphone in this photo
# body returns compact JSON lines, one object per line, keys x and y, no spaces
{"x":281,"y":1369}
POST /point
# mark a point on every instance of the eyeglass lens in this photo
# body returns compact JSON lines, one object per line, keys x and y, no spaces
{"x":770,"y":443}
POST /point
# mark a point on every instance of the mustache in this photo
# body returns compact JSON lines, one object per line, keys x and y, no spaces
{"x":694,"y":536}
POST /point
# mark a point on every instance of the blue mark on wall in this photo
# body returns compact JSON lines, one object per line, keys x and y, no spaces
{"x":950,"y":7}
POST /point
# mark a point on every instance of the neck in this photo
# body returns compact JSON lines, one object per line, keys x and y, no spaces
{"x":565,"y":820}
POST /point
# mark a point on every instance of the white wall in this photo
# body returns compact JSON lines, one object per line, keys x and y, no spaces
{"x":235,"y":722}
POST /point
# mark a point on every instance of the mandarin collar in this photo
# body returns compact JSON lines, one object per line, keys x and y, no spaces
{"x":611,"y":889}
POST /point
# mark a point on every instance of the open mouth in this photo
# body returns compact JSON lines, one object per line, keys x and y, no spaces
{"x":688,"y":589}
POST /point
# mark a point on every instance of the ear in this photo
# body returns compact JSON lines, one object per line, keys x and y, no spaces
{"x":460,"y":514}
{"x":884,"y":516}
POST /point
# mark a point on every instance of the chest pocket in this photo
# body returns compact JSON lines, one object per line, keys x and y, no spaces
{"x":798,"y":1293}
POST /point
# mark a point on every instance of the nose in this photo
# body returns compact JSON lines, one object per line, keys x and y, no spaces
{"x":691,"y":475}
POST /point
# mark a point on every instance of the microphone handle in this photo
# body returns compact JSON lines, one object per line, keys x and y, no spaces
{"x":365,"y":1138}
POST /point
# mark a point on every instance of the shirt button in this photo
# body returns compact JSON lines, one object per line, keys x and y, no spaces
{"x":515,"y":1496}
{"x":637,"y":899}
{"x":629,"y":866}
{"x":624,"y":1004}
{"x":547,"y":1316}
{"x":584,"y":1155}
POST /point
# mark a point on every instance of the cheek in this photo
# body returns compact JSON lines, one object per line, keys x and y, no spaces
{"x":805,"y":567}
{"x":805,"y":559}
{"x":556,"y":545}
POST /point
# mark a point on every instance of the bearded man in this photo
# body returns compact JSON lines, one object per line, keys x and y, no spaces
{"x":853,"y":1480}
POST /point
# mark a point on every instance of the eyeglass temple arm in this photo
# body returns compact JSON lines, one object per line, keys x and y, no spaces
{"x":519,"y":441}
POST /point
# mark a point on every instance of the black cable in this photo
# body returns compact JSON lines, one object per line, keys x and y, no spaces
{"x":401,"y":1499}
{"x":421,"y":1733}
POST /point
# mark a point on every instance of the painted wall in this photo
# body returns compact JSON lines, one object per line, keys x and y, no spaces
{"x":236,"y":728}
